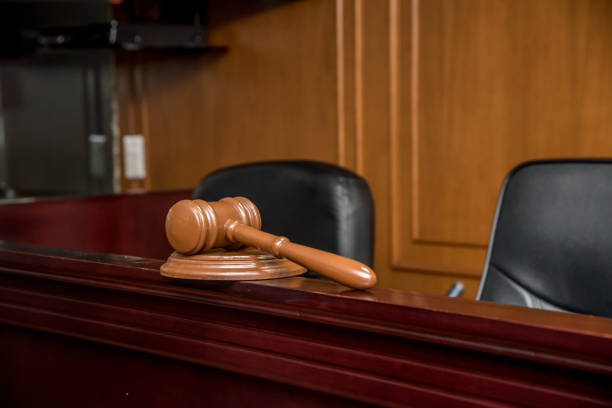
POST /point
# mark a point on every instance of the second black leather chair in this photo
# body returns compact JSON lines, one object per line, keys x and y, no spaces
{"x":551,"y":245}
{"x":311,"y":203}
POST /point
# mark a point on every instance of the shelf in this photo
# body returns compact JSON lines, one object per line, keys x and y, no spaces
{"x":126,"y":36}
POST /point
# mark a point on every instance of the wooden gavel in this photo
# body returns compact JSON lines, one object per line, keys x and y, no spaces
{"x":194,"y":226}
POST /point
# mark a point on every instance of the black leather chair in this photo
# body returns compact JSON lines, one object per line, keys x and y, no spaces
{"x":312,"y":203}
{"x":551,"y":242}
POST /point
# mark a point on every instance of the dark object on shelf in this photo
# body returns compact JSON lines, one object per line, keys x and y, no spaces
{"x":129,"y":36}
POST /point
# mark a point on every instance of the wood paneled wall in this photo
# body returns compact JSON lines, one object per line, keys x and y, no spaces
{"x":433,"y":102}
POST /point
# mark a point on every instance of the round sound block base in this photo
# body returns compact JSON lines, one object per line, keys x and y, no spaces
{"x":246,"y":264}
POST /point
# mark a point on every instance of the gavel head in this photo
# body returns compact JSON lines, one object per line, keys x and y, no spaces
{"x":194,"y":226}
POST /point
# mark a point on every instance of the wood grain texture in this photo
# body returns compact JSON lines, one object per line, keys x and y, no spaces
{"x":246,"y":264}
{"x":271,"y":96}
{"x":129,"y":224}
{"x":504,"y":82}
{"x":379,"y":346}
{"x":495,"y":84}
{"x":143,"y":380}
{"x":432,"y":102}
{"x":347,"y":52}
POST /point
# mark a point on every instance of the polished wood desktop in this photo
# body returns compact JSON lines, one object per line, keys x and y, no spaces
{"x":87,"y":320}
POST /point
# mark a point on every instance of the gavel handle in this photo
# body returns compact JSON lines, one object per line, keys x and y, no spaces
{"x":339,"y":268}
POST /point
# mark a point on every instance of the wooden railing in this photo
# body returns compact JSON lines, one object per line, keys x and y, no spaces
{"x":85,"y":328}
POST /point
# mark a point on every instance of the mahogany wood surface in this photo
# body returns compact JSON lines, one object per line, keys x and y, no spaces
{"x":84,"y":328}
{"x":100,"y":375}
{"x":378,"y":346}
{"x":131,"y":224}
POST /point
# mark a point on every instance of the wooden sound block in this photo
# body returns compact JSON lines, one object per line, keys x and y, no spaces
{"x":220,"y":264}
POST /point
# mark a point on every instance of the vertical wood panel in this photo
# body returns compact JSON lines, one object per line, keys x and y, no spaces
{"x":431,"y":101}
{"x":424,"y":264}
{"x":496,"y":83}
{"x":374,"y":24}
{"x":349,"y":56}
{"x":501,"y":83}
{"x":273,"y":95}
{"x":340,"y":69}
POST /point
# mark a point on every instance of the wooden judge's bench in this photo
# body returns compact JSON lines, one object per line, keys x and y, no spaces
{"x":95,"y":324}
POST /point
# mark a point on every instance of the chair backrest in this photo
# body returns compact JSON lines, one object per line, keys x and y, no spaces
{"x":551,"y":242}
{"x":312,"y":203}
